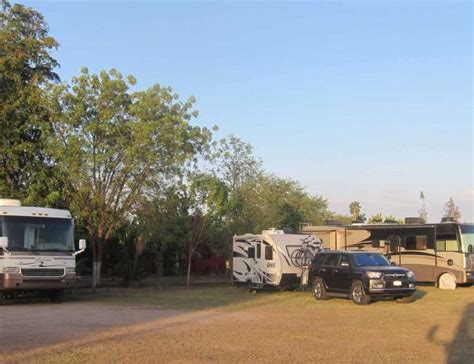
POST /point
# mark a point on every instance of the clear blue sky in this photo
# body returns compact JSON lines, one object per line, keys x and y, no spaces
{"x":356,"y":100}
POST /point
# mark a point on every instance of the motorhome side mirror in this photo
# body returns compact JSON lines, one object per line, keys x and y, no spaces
{"x":393,"y":263}
{"x":82,"y":244}
{"x":3,"y":242}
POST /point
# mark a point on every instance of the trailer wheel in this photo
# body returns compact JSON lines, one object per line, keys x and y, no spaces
{"x":319,"y":290}
{"x":447,"y":281}
{"x":56,"y":296}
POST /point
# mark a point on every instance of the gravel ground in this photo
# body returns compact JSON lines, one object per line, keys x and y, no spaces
{"x":25,"y":326}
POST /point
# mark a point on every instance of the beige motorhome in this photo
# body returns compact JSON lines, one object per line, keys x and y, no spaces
{"x":440,"y":253}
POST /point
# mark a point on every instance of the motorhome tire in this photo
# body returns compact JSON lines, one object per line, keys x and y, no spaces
{"x":446,"y":281}
{"x":358,"y":294}
{"x":56,"y":296}
{"x":404,"y":299}
{"x":319,"y":290}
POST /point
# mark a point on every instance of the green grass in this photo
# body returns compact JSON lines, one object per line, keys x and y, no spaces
{"x":193,"y":298}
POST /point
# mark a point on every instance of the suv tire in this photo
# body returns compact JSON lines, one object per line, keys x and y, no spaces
{"x":319,"y":290}
{"x":404,"y":299}
{"x":358,"y":294}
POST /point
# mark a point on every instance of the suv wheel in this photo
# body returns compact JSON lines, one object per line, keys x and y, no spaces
{"x":319,"y":290}
{"x":408,"y":299}
{"x":358,"y":294}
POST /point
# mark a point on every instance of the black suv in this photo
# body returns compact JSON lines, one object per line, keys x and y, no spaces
{"x":361,"y":276}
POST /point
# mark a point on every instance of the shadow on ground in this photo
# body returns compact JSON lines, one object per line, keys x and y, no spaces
{"x":461,"y":349}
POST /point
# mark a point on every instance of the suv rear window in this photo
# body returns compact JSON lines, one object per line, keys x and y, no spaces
{"x":331,"y":260}
{"x":318,"y":259}
{"x":370,"y":260}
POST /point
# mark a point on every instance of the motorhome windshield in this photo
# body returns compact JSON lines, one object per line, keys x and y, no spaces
{"x":370,"y":260}
{"x":37,"y":233}
{"x":467,"y":237}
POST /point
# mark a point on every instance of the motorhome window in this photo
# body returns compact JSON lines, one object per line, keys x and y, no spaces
{"x":467,"y":237}
{"x":268,"y":252}
{"x":331,"y":260}
{"x":259,"y":250}
{"x":251,"y":252}
{"x":38,"y":233}
{"x":418,"y":242}
{"x":395,"y":243}
{"x":447,"y":245}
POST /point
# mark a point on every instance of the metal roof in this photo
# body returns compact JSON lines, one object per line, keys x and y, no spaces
{"x":34,"y":211}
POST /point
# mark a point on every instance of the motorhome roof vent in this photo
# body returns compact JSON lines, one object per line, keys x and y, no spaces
{"x":332,"y":222}
{"x":414,"y":220}
{"x":9,"y":202}
{"x":272,"y":231}
{"x":448,"y":219}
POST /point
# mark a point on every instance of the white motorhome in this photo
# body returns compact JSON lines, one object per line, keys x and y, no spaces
{"x":273,"y":258}
{"x":36,"y":250}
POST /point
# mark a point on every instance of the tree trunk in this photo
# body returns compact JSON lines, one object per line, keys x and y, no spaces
{"x":176,"y":264}
{"x":138,"y":251}
{"x":188,"y":277}
{"x":96,"y":263}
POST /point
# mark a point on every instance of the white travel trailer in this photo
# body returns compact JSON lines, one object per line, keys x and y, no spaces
{"x":36,"y":250}
{"x":272,"y":259}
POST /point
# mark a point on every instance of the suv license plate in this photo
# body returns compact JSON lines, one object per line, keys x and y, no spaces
{"x":397,"y":283}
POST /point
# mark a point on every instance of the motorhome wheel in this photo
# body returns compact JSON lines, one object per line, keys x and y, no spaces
{"x":56,"y":296}
{"x":447,"y":281}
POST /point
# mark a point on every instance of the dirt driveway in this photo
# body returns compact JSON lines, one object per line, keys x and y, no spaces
{"x":25,"y":326}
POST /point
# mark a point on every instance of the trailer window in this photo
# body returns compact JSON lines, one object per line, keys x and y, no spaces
{"x":251,"y":252}
{"x":418,"y":242}
{"x":268,"y":253}
{"x":259,"y":250}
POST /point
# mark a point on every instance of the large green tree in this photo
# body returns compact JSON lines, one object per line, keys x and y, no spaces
{"x":207,"y":199}
{"x":26,"y":69}
{"x":119,"y":148}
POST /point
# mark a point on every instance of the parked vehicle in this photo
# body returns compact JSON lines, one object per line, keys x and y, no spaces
{"x":36,"y":250}
{"x":362,"y":276}
{"x":440,"y":253}
{"x":272,"y":259}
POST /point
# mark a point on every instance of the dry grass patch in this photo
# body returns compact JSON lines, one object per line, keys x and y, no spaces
{"x":285,"y":327}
